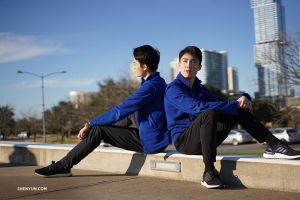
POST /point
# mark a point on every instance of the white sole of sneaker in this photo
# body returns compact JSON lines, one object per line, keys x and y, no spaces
{"x":55,"y":175}
{"x":280,"y":156}
{"x":212,"y":186}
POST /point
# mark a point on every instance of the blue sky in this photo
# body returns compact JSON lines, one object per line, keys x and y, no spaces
{"x":93,"y":40}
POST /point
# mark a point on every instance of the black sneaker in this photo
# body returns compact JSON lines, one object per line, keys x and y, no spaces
{"x":211,"y":179}
{"x":53,"y":170}
{"x":281,"y":150}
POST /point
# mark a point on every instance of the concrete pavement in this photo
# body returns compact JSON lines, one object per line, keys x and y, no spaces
{"x":235,"y":170}
{"x":20,"y":182}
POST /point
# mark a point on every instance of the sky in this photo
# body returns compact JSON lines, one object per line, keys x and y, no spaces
{"x":93,"y":40}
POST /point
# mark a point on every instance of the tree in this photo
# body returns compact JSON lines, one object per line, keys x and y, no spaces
{"x":6,"y":120}
{"x":291,"y":60}
{"x":290,"y":116}
{"x":265,"y":111}
{"x":63,"y":119}
{"x":29,"y":122}
{"x":285,"y":53}
{"x":217,"y":92}
{"x":111,"y":94}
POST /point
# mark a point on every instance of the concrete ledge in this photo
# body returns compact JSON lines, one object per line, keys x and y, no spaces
{"x":247,"y":171}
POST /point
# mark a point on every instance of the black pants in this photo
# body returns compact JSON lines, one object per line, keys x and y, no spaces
{"x":118,"y":135}
{"x":211,"y":128}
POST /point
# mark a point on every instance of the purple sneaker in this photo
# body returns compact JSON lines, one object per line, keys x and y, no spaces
{"x":281,"y":150}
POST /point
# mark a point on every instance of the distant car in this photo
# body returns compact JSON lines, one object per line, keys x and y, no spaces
{"x":23,"y":134}
{"x":238,"y":136}
{"x":287,"y":133}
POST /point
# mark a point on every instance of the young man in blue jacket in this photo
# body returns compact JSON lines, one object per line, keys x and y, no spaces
{"x":151,"y":135}
{"x":199,"y":122}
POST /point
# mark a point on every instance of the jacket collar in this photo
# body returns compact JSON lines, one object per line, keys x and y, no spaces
{"x":185,"y":82}
{"x":155,"y":74}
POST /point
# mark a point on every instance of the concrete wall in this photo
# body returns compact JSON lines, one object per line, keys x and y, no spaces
{"x":245,"y":171}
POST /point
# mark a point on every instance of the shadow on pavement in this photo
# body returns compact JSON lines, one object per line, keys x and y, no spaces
{"x":228,"y":166}
{"x":136,"y":164}
{"x":22,"y":156}
{"x":98,"y":175}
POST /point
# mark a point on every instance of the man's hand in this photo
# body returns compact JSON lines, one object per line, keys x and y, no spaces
{"x":245,"y":103}
{"x":83,"y":133}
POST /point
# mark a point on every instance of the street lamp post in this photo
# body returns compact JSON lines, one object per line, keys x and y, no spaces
{"x":42,"y":79}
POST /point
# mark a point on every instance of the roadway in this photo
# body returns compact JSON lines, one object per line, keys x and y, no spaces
{"x":250,"y":147}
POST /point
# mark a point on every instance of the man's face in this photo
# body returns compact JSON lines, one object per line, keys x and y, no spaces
{"x":189,"y":66}
{"x":138,"y":69}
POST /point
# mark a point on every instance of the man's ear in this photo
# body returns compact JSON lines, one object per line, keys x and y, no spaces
{"x":145,"y":67}
{"x":200,"y":66}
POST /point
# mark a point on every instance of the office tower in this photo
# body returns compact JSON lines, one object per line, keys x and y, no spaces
{"x":214,"y":69}
{"x":174,"y":68}
{"x":233,"y":82}
{"x":78,"y":98}
{"x":299,"y":50}
{"x":269,"y":25}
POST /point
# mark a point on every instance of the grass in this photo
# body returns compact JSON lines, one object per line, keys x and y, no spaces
{"x":240,"y":153}
{"x":71,"y":140}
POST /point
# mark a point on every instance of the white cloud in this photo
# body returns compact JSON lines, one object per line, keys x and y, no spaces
{"x":15,"y":47}
{"x":80,"y":83}
{"x":59,"y":83}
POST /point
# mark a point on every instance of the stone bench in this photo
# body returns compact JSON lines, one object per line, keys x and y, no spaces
{"x":238,"y":170}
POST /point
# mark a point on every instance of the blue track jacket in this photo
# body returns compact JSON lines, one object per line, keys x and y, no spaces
{"x":183,"y":104}
{"x":148,"y":100}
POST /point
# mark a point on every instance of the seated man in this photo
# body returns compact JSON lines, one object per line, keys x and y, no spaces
{"x":199,"y":122}
{"x":151,"y":136}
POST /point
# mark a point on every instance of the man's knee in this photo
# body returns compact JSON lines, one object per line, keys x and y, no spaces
{"x":243,"y":111}
{"x":212,"y":114}
{"x":95,"y":133}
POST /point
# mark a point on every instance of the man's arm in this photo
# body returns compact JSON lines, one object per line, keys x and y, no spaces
{"x":244,"y":102}
{"x":84,"y":132}
{"x":183,"y":101}
{"x":208,"y":95}
{"x":136,"y":101}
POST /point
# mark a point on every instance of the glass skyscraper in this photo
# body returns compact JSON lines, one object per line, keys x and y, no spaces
{"x":233,"y":80}
{"x":214,"y":69}
{"x":174,"y":68}
{"x":269,"y":25}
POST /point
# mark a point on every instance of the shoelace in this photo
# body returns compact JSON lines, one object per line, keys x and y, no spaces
{"x":285,"y":144}
{"x":53,"y":165}
{"x":211,"y":175}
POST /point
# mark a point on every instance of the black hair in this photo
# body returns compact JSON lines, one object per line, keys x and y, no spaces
{"x":147,"y":55}
{"x":193,"y":50}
